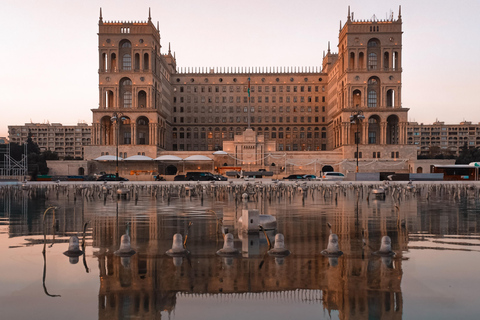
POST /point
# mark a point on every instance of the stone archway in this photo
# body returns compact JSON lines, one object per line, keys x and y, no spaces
{"x":327,"y":168}
{"x":171,"y":170}
{"x":392,"y":129}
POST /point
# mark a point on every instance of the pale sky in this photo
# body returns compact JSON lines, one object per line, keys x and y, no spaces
{"x":50,"y":48}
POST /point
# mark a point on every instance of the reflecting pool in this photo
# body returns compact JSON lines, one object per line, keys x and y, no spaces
{"x":432,"y":272}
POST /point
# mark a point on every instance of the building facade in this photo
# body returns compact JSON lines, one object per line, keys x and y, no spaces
{"x":440,"y":138}
{"x":158,"y":107}
{"x":66,"y":141}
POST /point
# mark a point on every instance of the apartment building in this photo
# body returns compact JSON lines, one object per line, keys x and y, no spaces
{"x":68,"y":141}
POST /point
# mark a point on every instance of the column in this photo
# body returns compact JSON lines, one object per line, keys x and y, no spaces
{"x":149,"y":100}
{"x":356,"y":66}
{"x":116,"y":104}
{"x":383,"y":100}
{"x":150,"y":133}
{"x":383,"y":133}
{"x":134,"y":133}
{"x":115,"y":133}
{"x":134,"y":98}
{"x":390,"y":61}
{"x":365,"y":131}
{"x":346,"y":133}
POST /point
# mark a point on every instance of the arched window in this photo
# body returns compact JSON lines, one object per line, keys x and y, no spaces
{"x":373,"y":129}
{"x":357,"y":98}
{"x":361,"y":62}
{"x":146,"y":63}
{"x":126,"y":93}
{"x":137,"y":61}
{"x":386,"y":61}
{"x":373,"y":43}
{"x":373,"y":52}
{"x":373,"y":90}
{"x":113,"y":62}
{"x":391,"y":98}
{"x":351,"y":63}
{"x":125,"y":54}
{"x":142,"y":99}
{"x":104,"y":62}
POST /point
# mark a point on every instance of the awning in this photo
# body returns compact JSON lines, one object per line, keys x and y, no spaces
{"x":108,"y":158}
{"x":168,"y":158}
{"x":138,"y":158}
{"x":198,"y":158}
{"x":220,"y":152}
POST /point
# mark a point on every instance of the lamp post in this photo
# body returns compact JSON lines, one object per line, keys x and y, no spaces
{"x":115,"y":119}
{"x":355,"y":118}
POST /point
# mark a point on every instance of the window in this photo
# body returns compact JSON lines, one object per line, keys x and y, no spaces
{"x":127,"y":99}
{"x":372,"y":99}
{"x":126,"y":62}
{"x":372,"y":61}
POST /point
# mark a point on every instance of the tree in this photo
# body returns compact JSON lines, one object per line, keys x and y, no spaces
{"x":50,"y":155}
{"x":468,"y":154}
{"x":32,"y":147}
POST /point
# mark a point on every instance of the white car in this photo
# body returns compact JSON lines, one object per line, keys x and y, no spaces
{"x":333,"y":176}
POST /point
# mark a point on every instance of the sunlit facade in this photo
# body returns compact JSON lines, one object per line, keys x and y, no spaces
{"x":167,"y":108}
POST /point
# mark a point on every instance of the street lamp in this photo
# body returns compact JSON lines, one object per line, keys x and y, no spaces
{"x":115,"y":118}
{"x":355,"y":118}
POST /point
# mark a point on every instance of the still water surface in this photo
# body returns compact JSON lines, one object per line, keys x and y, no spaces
{"x":435,"y":233}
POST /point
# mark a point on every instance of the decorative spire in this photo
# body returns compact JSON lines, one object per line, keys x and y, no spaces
{"x":169,"y":51}
{"x":399,"y":12}
{"x":348,"y":17}
{"x":101,"y":18}
{"x":340,"y":25}
{"x":328,"y":52}
{"x":149,"y":15}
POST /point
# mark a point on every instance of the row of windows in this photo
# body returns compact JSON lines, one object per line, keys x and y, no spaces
{"x":376,"y":155}
{"x":280,"y":147}
{"x":231,"y":134}
{"x":245,"y":109}
{"x":238,"y":99}
{"x":252,"y":88}
{"x":244,"y":119}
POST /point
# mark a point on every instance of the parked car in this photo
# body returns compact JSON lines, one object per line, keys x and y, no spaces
{"x":111,"y":177}
{"x":293,"y":177}
{"x":199,"y":176}
{"x":310,"y":177}
{"x":180,"y":177}
{"x":333,"y":176}
{"x":219,"y":177}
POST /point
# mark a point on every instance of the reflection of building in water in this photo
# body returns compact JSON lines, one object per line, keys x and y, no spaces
{"x":357,"y":284}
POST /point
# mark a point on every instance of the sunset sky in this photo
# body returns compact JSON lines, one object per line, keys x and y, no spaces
{"x":50,"y":48}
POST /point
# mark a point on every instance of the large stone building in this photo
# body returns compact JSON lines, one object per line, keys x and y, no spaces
{"x":65,"y":140}
{"x":352,"y":100}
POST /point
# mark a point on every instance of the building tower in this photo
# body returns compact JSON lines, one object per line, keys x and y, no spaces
{"x":366,"y":78}
{"x":134,"y":85}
